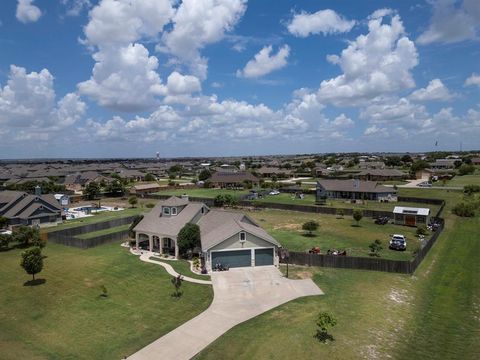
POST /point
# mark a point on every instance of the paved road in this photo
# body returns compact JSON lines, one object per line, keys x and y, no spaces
{"x":240,"y":294}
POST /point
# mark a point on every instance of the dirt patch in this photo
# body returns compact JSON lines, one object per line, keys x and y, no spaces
{"x":290,"y":226}
{"x":304,"y":274}
{"x":399,"y":296}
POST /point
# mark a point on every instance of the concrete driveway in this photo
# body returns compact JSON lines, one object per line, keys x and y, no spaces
{"x":239,"y":294}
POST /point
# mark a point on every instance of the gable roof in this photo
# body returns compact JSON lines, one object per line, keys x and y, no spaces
{"x":219,"y":225}
{"x":18,"y":204}
{"x":232,"y":177}
{"x":411,"y":211}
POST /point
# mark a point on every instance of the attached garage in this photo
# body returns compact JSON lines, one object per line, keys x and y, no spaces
{"x":233,"y":258}
{"x":264,"y":257}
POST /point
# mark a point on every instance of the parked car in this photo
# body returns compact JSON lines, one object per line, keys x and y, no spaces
{"x":398,"y":242}
{"x":274,"y":192}
{"x":382,"y":220}
{"x":425,"y":184}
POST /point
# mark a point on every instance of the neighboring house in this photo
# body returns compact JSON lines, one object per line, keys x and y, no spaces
{"x":63,"y":199}
{"x":411,"y":216}
{"x":476,"y":161}
{"x":143,"y":189}
{"x":436,"y":174}
{"x":233,"y":179}
{"x":371,"y":165}
{"x":382,"y":175}
{"x":443,"y":164}
{"x":229,"y":238}
{"x":355,"y":190}
{"x":274,"y":171}
{"x":21,"y":208}
{"x":133,"y":175}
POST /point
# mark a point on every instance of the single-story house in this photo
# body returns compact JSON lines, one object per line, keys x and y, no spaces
{"x":411,"y":216}
{"x":476,"y":161}
{"x":63,"y":199}
{"x":233,"y":179}
{"x":274,"y":171}
{"x":229,"y":238}
{"x":443,"y":164}
{"x":21,"y":208}
{"x":371,"y":165}
{"x":382,"y":175}
{"x":142,"y":189}
{"x":354,"y":189}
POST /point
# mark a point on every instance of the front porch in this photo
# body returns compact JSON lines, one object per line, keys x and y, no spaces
{"x":158,"y":244}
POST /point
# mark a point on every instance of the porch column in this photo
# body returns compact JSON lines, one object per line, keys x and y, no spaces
{"x":136,"y":240}
{"x":176,"y":249}
{"x":150,"y":242}
{"x":160,"y":245}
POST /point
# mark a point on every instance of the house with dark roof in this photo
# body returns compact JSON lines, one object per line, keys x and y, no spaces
{"x":233,"y":179}
{"x":354,"y":189}
{"x":382,"y":174}
{"x":227,"y":237}
{"x":21,"y":208}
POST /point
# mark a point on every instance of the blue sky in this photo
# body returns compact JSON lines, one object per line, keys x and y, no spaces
{"x":115,"y":78}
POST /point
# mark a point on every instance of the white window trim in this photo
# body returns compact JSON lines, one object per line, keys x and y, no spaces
{"x":240,"y":236}
{"x":166,"y":211}
{"x":173,"y":211}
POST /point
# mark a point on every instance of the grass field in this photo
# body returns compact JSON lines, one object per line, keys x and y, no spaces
{"x":182,"y":267}
{"x":433,"y":314}
{"x":334,"y":233}
{"x":102,"y":216}
{"x":65,"y":318}
{"x":112,"y":230}
{"x":462,"y":180}
{"x":205,"y":193}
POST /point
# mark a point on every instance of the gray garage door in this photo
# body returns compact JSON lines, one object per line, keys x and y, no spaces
{"x":238,"y":258}
{"x":263,"y":257}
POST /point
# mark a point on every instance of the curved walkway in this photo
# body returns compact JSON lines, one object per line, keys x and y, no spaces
{"x":145,"y":256}
{"x":239,"y":294}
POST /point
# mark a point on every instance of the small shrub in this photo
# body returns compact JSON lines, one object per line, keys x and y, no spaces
{"x":421,"y":230}
{"x":325,"y":321}
{"x":310,"y":227}
{"x":340,"y":213}
{"x":357,"y":215}
{"x":104,"y":293}
{"x":464,"y":209}
{"x":471,"y":189}
{"x":375,"y":248}
{"x":177,"y":283}
{"x":149,"y":205}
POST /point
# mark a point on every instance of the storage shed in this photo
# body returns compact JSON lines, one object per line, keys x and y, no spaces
{"x":411,"y":216}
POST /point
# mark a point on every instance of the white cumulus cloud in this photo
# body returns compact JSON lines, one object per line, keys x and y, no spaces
{"x":27,"y":12}
{"x":377,"y":63}
{"x":435,"y":90}
{"x":264,"y":62}
{"x":197,"y":24}
{"x":473,"y":79}
{"x":322,"y":22}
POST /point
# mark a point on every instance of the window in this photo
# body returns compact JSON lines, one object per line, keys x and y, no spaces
{"x":174,"y":211}
{"x":166,"y":210}
{"x":243,"y":236}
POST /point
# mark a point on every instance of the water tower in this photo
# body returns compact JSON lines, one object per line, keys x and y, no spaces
{"x":158,"y":156}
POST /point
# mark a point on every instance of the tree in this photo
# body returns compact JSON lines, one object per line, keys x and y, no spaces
{"x":32,"y":261}
{"x":419,"y":165}
{"x":204,"y":175}
{"x":421,"y":230}
{"x":466,"y":169}
{"x":116,"y":187}
{"x":325,"y":321}
{"x":5,"y":240}
{"x":92,"y":190}
{"x":310,"y":226}
{"x":3,"y":222}
{"x":132,"y":200}
{"x":177,"y":283}
{"x":375,"y":248}
{"x":219,"y":200}
{"x":406,"y":159}
{"x":471,"y":189}
{"x":464,"y":209}
{"x":149,"y":177}
{"x":357,"y":215}
{"x":188,"y":238}
{"x":27,"y":236}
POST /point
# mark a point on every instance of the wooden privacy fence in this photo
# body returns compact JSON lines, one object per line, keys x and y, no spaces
{"x":69,"y":236}
{"x":366,"y":263}
{"x":312,"y":208}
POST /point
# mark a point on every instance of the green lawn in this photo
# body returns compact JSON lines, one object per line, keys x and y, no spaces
{"x":65,"y":318}
{"x":182,"y":267}
{"x":462,"y":180}
{"x":205,"y":193}
{"x":112,"y":230}
{"x":334,"y":233}
{"x":102,"y":216}
{"x":433,"y":314}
